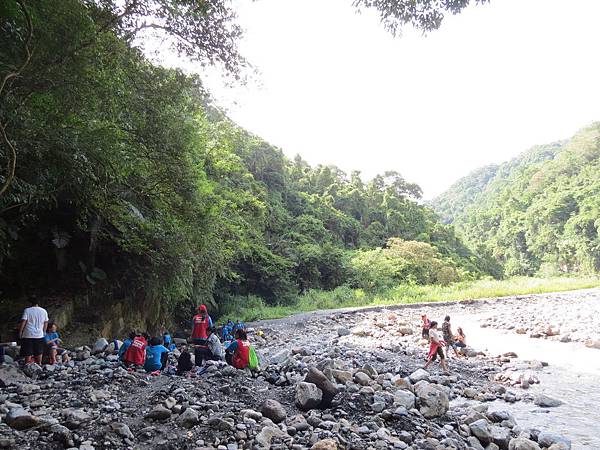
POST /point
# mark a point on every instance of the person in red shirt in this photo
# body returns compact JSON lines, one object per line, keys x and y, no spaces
{"x":136,"y":353}
{"x":200,"y":325}
{"x":238,"y":352}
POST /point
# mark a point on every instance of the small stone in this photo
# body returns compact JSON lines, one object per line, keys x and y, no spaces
{"x":325,"y":444}
{"x":546,"y":401}
{"x":158,"y":413}
{"x":188,"y":418}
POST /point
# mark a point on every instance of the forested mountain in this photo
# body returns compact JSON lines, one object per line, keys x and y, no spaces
{"x":125,"y":183}
{"x":539,"y":212}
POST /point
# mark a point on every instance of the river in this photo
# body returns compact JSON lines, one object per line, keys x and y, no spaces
{"x":572,"y":375}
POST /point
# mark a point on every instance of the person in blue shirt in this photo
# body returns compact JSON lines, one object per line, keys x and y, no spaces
{"x":168,"y":341}
{"x":126,"y":345}
{"x":53,"y":340}
{"x":156,"y":355}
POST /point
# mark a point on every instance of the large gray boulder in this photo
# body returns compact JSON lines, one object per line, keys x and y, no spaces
{"x":432,"y":401}
{"x":308,"y":396}
{"x":273,"y":410}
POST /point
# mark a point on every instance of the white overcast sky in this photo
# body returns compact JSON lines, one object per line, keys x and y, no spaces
{"x":336,"y":88}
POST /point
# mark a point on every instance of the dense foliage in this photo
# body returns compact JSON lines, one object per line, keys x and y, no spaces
{"x":129,"y":184}
{"x":539,"y":213}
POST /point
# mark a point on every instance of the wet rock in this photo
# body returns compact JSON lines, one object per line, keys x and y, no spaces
{"x":188,"y":418}
{"x":158,"y":413}
{"x":432,"y":401}
{"x":546,"y":439}
{"x":308,"y":396}
{"x":522,"y":444}
{"x":546,"y":401}
{"x":273,"y":410}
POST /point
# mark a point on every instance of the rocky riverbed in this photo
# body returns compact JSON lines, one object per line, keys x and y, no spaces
{"x":347,"y":380}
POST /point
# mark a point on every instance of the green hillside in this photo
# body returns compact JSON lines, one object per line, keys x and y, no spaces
{"x":539,"y":213}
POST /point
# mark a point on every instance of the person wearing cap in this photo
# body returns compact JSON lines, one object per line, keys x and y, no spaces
{"x":200,"y":325}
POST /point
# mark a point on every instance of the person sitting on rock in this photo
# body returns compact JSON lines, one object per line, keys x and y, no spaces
{"x":426,"y":326}
{"x":52,"y":345}
{"x":184,"y":362}
{"x":213,"y":350}
{"x":435,"y":347}
{"x":168,"y":341}
{"x":156,"y":356}
{"x":449,"y":337}
{"x":460,"y":340}
{"x":126,"y":344}
{"x":200,"y":324}
{"x":238,"y":352}
{"x":136,"y":353}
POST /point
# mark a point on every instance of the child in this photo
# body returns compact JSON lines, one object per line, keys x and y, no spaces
{"x":52,"y":340}
{"x":184,"y":362}
{"x":435,"y":348}
{"x":238,"y":352}
{"x":426,"y":326}
{"x":156,"y":355}
{"x":136,"y":353}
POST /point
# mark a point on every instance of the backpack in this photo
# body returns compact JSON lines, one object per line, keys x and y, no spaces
{"x":252,"y":359}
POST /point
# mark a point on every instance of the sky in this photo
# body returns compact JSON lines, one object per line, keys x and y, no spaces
{"x":335,"y":87}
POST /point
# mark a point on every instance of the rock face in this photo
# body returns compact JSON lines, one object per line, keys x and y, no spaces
{"x":308,"y":396}
{"x":431,"y":400}
{"x":273,"y":410}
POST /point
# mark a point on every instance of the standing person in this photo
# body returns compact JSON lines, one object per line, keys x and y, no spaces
{"x":435,"y":348}
{"x":449,"y":337}
{"x":426,"y":325}
{"x":238,"y":352}
{"x":136,"y":353}
{"x":200,"y":324}
{"x":32,"y":330}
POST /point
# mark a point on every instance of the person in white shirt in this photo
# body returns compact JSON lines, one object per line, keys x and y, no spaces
{"x":32,"y":331}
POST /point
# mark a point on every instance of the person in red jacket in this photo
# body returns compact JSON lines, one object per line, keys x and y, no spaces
{"x":238,"y":352}
{"x":200,"y":325}
{"x":136,"y":353}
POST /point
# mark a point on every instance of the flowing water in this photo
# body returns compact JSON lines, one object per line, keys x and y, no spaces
{"x":572,"y":375}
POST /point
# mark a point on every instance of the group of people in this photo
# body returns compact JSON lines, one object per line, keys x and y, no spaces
{"x":40,"y":342}
{"x":438,"y":342}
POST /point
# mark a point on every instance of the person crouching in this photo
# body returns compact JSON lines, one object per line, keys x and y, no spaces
{"x":213,"y":349}
{"x":238,"y":352}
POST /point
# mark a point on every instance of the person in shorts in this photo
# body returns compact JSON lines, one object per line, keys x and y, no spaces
{"x":449,"y":337}
{"x":32,"y":330}
{"x":425,"y":327}
{"x":436,"y":347}
{"x":53,"y":348}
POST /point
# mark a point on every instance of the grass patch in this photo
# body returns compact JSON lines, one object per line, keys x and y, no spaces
{"x":253,"y":308}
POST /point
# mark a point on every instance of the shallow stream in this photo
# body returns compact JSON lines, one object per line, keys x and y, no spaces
{"x":572,"y":375}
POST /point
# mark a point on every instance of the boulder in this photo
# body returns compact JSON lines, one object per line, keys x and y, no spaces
{"x":432,"y":401}
{"x":19,"y":419}
{"x":341,"y":376}
{"x":522,"y":444}
{"x":266,"y":435}
{"x":75,"y":417}
{"x":405,"y":331}
{"x":188,"y":418}
{"x":11,"y":375}
{"x":546,"y":401}
{"x":158,"y":413}
{"x":418,"y":375}
{"x":325,"y":444}
{"x":500,"y":436}
{"x":273,"y":410}
{"x":308,"y":396}
{"x":362,"y":378}
{"x":122,"y":430}
{"x":481,"y":430}
{"x":319,"y":379}
{"x":404,"y":398}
